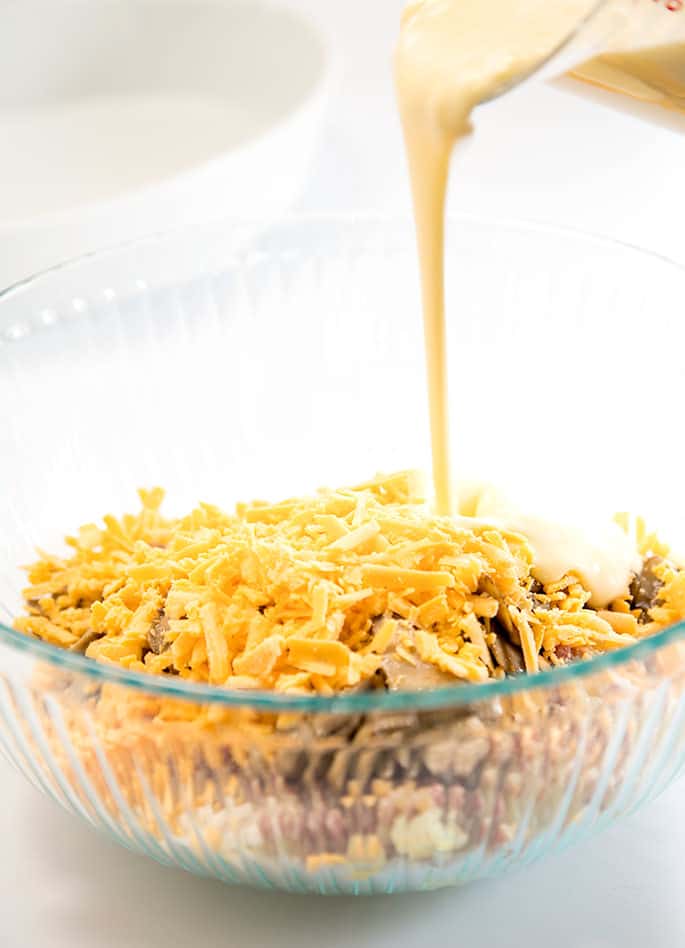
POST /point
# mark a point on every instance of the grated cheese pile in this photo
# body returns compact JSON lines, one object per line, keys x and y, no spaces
{"x":350,"y":587}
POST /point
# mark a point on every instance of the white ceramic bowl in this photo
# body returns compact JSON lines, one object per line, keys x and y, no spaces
{"x":125,"y":117}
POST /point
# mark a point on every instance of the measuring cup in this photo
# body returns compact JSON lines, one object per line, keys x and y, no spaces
{"x":633,"y":47}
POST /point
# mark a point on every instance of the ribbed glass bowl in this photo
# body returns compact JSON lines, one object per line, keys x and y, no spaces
{"x":231,"y":364}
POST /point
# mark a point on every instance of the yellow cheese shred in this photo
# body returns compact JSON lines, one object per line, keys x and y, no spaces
{"x":305,"y":595}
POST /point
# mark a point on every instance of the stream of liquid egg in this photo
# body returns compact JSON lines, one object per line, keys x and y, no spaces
{"x":451,"y":56}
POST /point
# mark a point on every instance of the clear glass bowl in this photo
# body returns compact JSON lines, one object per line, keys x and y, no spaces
{"x":228,"y":364}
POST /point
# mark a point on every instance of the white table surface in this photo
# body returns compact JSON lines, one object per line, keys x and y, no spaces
{"x":543,"y":155}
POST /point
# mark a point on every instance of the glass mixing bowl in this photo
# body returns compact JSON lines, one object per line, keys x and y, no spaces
{"x":231,"y":364}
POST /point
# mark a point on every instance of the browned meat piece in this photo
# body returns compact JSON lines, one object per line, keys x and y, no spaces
{"x":644,"y":588}
{"x":566,"y":653}
{"x":539,"y":600}
{"x":156,"y":636}
{"x":507,"y":655}
{"x":402,"y":675}
{"x":86,"y":639}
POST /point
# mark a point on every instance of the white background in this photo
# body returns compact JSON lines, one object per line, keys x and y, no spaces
{"x":542,"y":154}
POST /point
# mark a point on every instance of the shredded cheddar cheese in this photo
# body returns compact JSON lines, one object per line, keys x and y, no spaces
{"x":322,"y":593}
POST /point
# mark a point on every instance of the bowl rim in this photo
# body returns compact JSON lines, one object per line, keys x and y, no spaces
{"x":450,"y":696}
{"x":254,"y":227}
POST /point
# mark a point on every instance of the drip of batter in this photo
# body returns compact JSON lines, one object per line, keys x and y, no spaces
{"x":451,"y":56}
